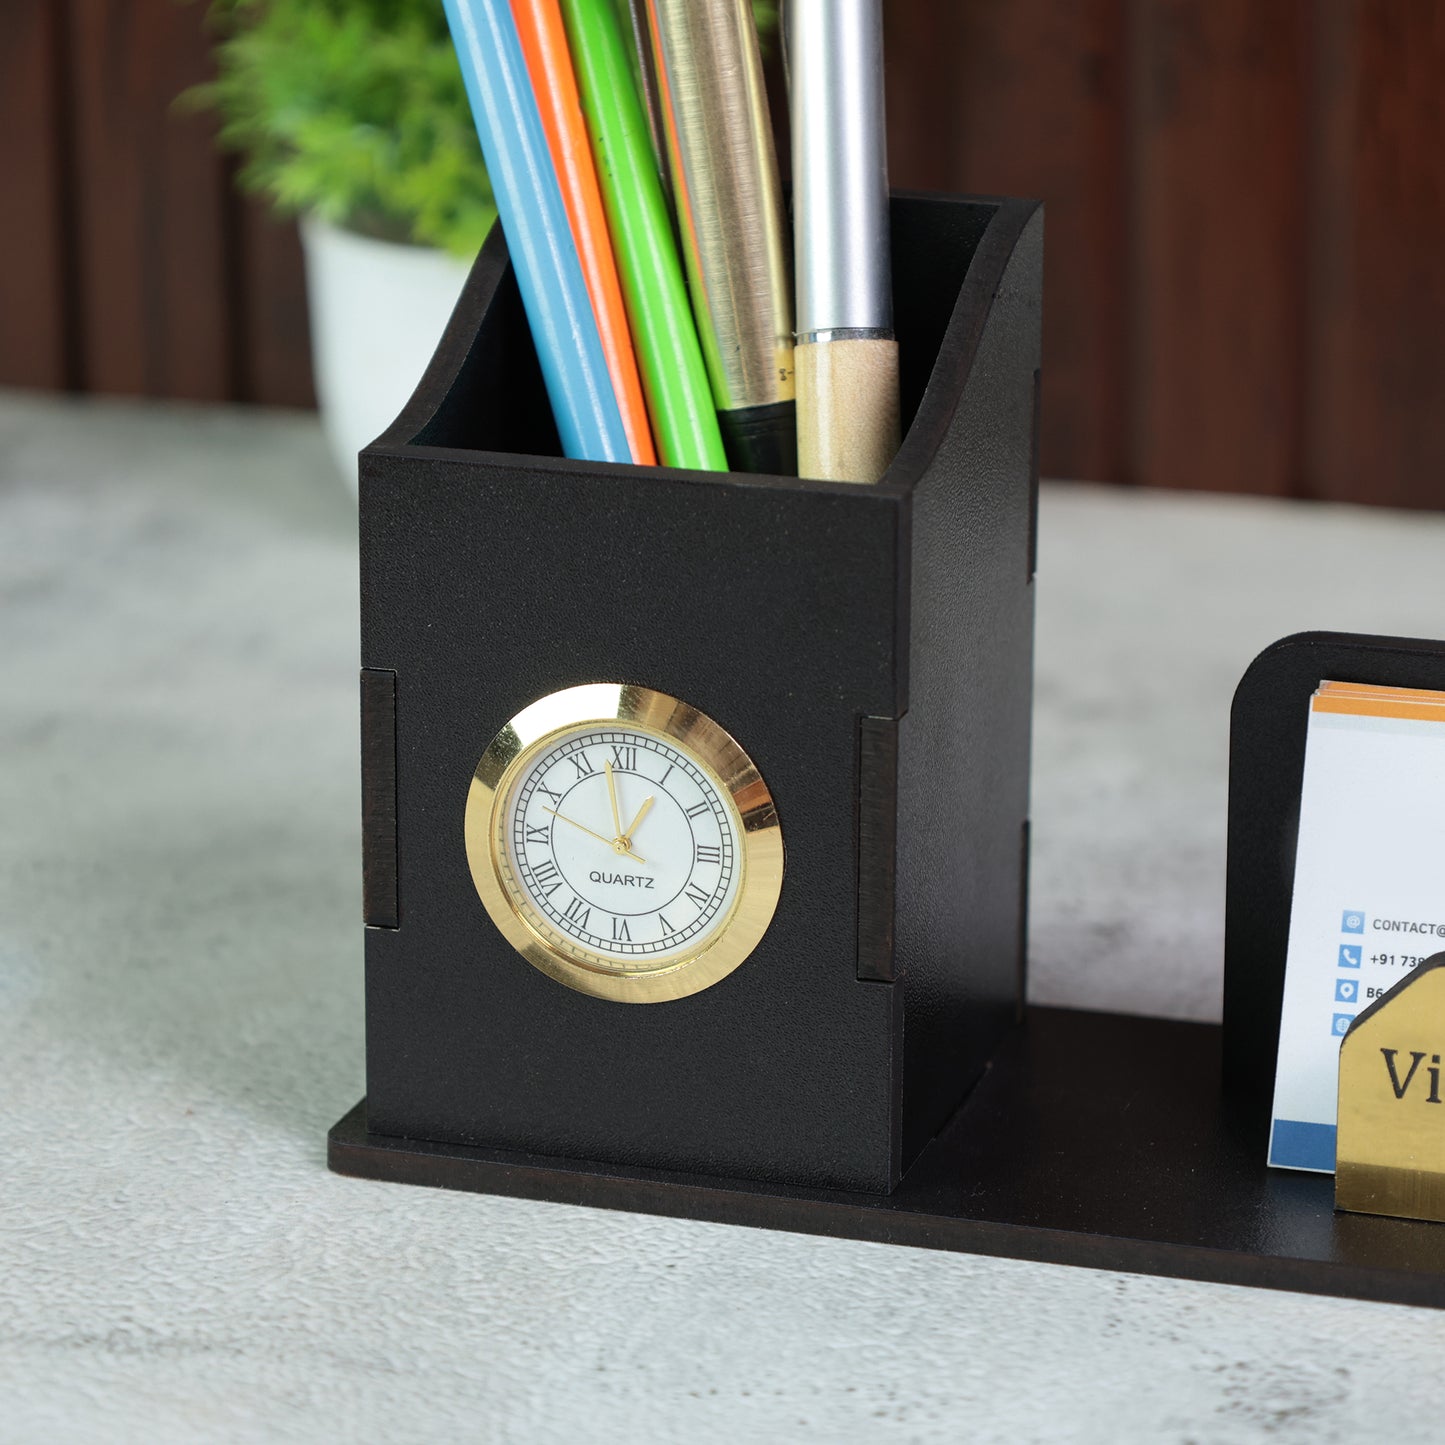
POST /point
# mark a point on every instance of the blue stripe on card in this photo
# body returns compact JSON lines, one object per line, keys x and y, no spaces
{"x":1293,"y":1144}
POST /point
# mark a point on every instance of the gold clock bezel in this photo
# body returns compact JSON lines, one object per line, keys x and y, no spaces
{"x":713,"y":749}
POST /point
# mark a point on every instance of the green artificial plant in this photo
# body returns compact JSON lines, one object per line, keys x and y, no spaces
{"x":354,"y":111}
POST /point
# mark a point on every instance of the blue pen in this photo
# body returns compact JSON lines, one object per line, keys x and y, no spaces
{"x":539,"y":237}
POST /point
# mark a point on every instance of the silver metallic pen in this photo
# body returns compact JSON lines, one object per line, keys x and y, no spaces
{"x":846,"y":358}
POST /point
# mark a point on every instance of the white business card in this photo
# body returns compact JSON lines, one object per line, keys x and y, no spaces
{"x":1369,"y":891}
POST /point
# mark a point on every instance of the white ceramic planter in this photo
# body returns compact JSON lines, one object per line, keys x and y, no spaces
{"x":377,"y":312}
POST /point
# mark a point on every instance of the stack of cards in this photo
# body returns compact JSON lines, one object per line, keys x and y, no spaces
{"x":1369,"y":890}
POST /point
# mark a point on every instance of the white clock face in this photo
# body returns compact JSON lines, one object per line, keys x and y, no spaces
{"x":619,"y":848}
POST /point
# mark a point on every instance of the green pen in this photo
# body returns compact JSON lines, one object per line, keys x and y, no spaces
{"x":669,"y":355}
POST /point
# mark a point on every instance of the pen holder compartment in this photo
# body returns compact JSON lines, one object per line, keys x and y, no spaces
{"x":870,"y":647}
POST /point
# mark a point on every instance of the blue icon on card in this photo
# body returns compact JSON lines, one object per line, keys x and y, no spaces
{"x":1350,"y":955}
{"x":1347,"y":990}
{"x":1342,"y":1023}
{"x":1353,"y":921}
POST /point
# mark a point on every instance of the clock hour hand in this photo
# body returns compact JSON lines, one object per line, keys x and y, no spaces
{"x":611,"y":842}
{"x":641,"y":814}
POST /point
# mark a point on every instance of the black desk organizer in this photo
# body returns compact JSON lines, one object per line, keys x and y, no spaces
{"x":870,"y":1071}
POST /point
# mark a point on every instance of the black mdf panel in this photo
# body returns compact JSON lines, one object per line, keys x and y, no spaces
{"x":1132,"y":1170}
{"x":794,"y":613}
{"x":1268,"y":727}
{"x":707,"y":592}
{"x":963,"y":756}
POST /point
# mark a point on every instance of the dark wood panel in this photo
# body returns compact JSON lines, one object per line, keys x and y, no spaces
{"x":1217,"y":226}
{"x":275,"y":349}
{"x":918,"y":39}
{"x":1377,"y":378}
{"x":155,"y":263}
{"x":33,"y":330}
{"x":1026,"y":99}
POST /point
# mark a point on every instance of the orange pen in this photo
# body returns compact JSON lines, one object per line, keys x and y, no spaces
{"x":549,"y":62}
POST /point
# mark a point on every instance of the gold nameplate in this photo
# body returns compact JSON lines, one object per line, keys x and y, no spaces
{"x":1390,"y":1144}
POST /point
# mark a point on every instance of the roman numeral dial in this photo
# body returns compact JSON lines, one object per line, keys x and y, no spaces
{"x":624,"y":846}
{"x":613,"y":855}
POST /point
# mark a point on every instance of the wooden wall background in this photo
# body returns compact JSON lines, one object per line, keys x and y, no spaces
{"x":1246,"y":223}
{"x":135,"y":267}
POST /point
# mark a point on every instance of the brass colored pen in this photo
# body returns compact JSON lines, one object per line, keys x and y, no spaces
{"x":730,"y":219}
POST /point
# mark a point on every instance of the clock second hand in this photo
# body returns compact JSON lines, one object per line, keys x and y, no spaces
{"x":611,"y":842}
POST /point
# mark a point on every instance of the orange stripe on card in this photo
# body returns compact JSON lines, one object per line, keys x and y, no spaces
{"x":1381,"y":707}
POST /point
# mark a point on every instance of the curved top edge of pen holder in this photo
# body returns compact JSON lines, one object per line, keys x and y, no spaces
{"x":482,"y":393}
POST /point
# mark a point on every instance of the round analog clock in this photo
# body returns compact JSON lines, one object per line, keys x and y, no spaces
{"x":624,"y":843}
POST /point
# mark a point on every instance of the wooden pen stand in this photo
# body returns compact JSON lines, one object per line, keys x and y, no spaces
{"x":871,"y":648}
{"x":863,"y":1073}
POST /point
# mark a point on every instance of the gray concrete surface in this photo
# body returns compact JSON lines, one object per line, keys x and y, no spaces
{"x":180,"y":1013}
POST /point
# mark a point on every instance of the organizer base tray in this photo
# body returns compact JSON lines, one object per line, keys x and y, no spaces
{"x":1093,"y":1139}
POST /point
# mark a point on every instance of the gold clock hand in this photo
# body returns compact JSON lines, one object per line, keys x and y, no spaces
{"x":641,"y":814}
{"x":612,"y":798}
{"x":611,"y":843}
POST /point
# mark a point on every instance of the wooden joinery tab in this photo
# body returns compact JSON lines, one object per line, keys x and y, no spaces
{"x":378,"y":798}
{"x":877,"y":846}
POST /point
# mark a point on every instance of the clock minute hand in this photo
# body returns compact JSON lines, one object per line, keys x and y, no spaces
{"x":611,"y":843}
{"x":612,"y":798}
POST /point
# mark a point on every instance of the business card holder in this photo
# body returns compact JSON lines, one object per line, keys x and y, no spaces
{"x":869,"y":1071}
